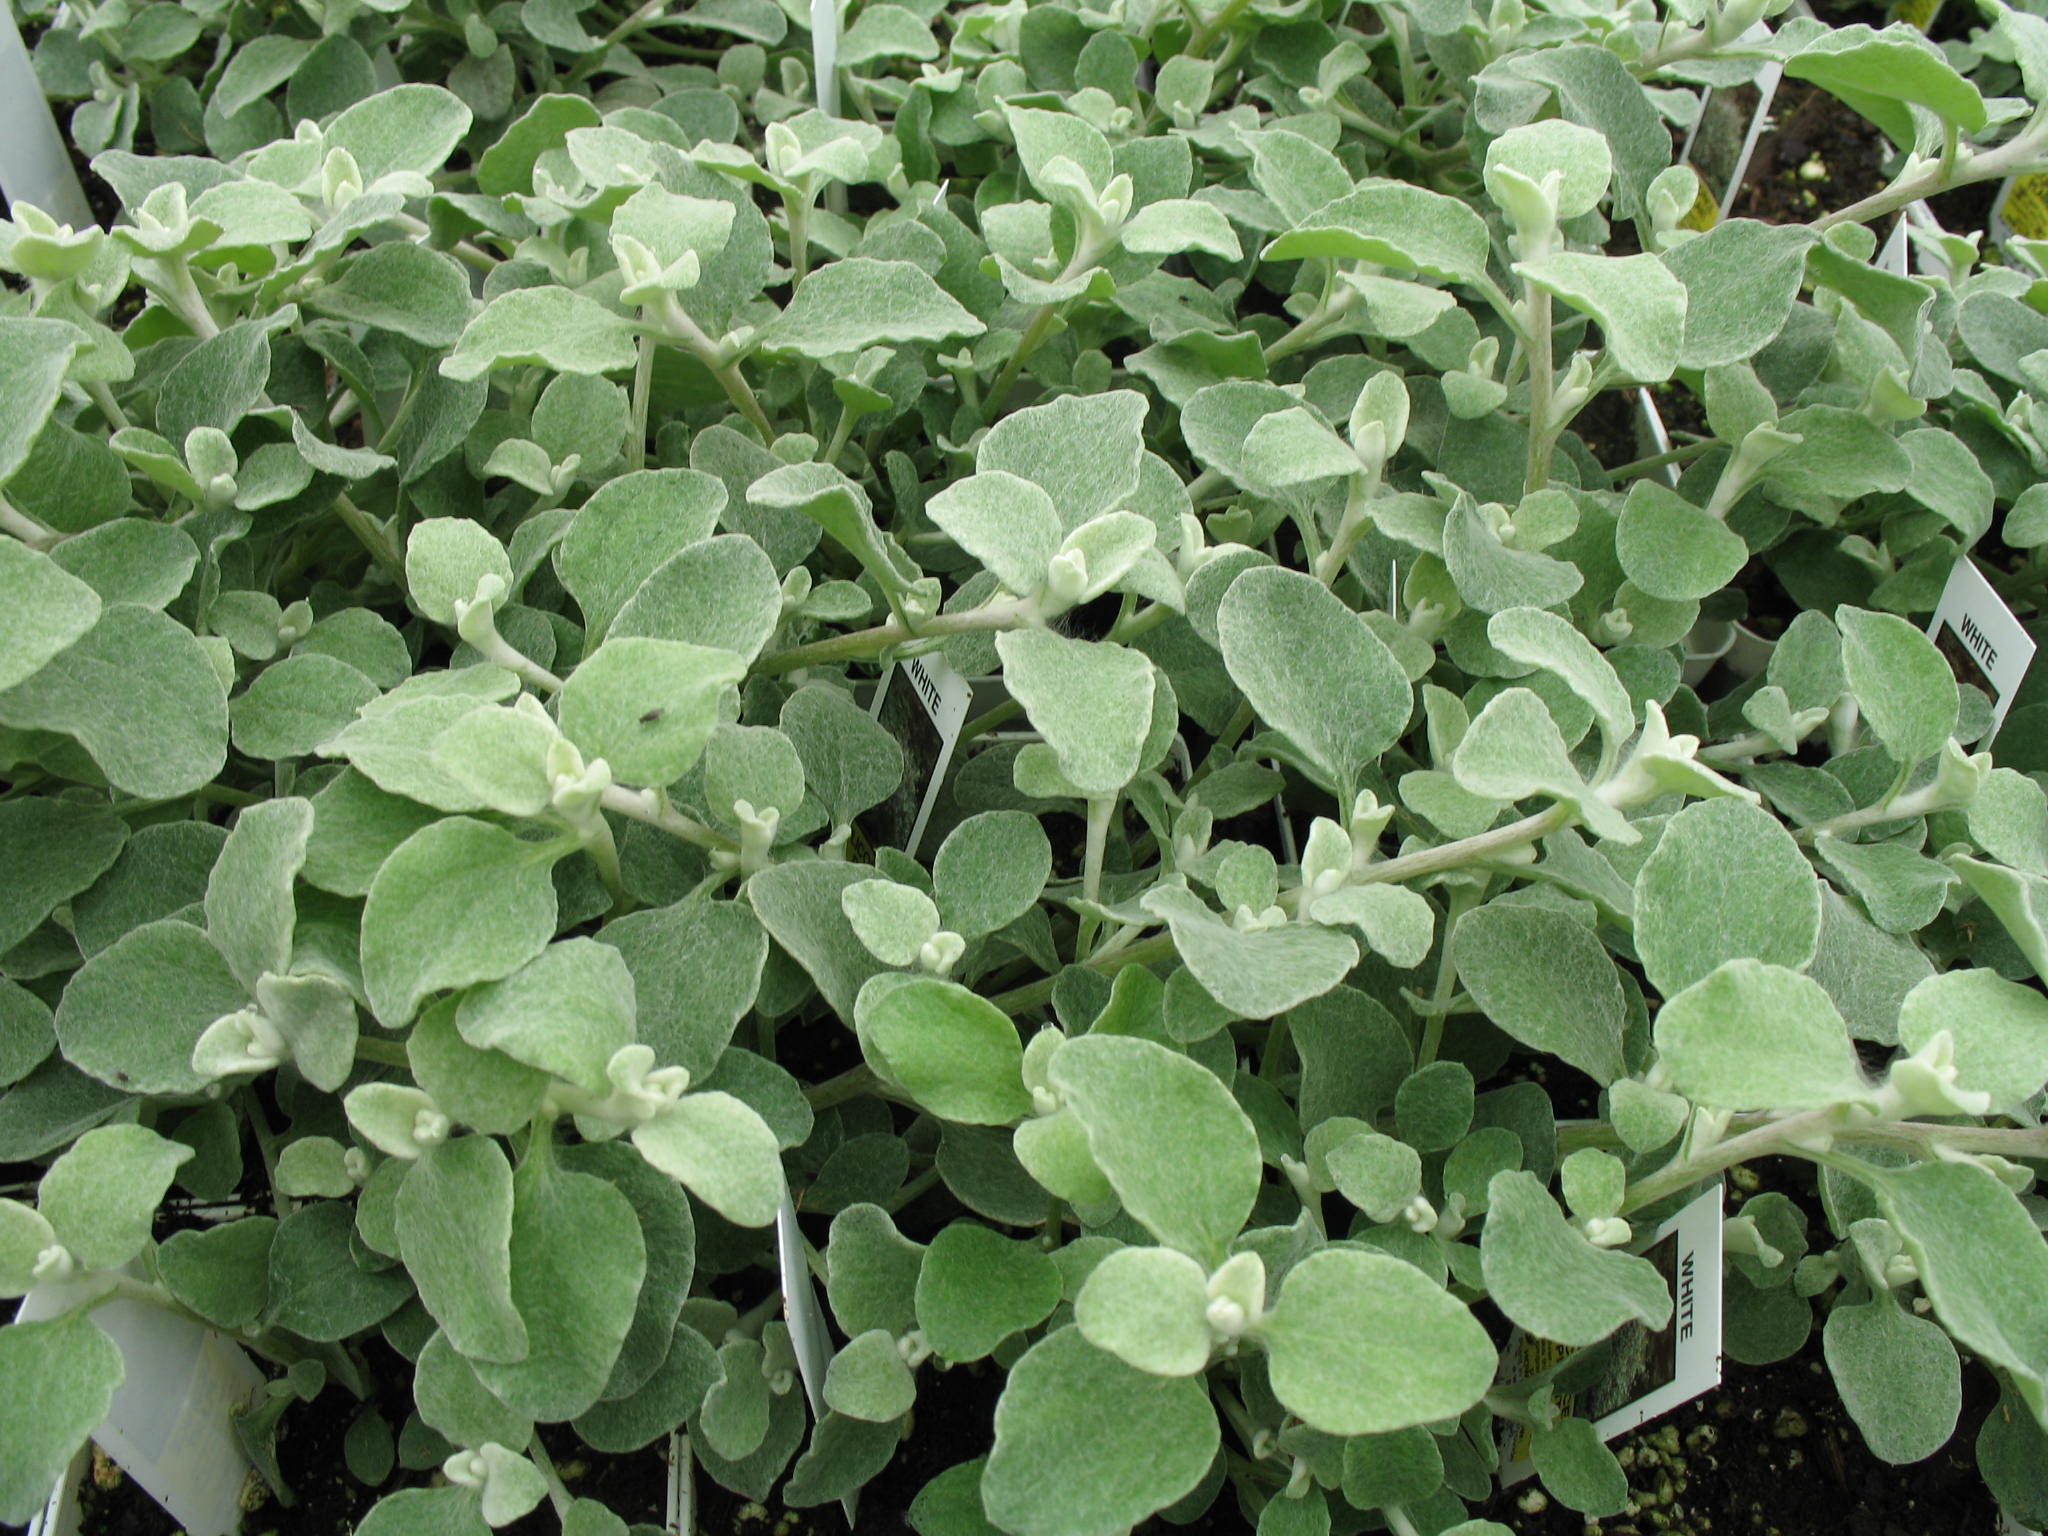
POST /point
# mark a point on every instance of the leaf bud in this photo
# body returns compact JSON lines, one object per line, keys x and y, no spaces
{"x":941,"y":952}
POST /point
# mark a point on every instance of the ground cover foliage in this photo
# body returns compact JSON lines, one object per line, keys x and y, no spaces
{"x":454,"y":517}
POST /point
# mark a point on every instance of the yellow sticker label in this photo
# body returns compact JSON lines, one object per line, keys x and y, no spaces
{"x":1919,"y":13}
{"x":1705,"y":211}
{"x":1538,"y":1356}
{"x":2026,"y":207}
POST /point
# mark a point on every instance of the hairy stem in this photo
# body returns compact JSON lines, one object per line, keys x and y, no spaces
{"x":866,"y":644}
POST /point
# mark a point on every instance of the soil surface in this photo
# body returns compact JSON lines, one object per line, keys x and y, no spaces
{"x":1773,"y":1453}
{"x":1822,"y":156}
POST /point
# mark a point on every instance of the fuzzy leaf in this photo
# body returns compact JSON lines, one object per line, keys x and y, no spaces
{"x":62,"y":1375}
{"x":1086,"y":1445}
{"x":139,"y":694}
{"x":1363,"y":1343}
{"x":1147,"y":1306}
{"x":1091,"y":700}
{"x":458,"y":902}
{"x":1756,"y":1036}
{"x":1181,"y":1154}
{"x":1313,"y":669}
{"x":647,"y":707}
{"x":1726,"y":881}
{"x":956,"y":1054}
{"x":47,"y":609}
{"x":1637,"y":302}
{"x":102,"y":1194}
{"x":1903,"y":685}
{"x":722,"y":1150}
{"x":455,"y":1222}
{"x":1549,"y":1279}
{"x":857,"y":302}
{"x":552,"y":326}
{"x":1547,"y":981}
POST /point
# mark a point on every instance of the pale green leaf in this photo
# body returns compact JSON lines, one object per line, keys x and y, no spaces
{"x":858,"y":302}
{"x":1147,"y":1306}
{"x":139,"y":694}
{"x":1085,"y":1445}
{"x":1726,"y":881}
{"x":101,"y":1195}
{"x":1363,"y":1343}
{"x":1637,"y":302}
{"x":1545,"y":1275}
{"x":458,"y":902}
{"x":1315,"y":670}
{"x":1903,"y":685}
{"x":723,"y":1150}
{"x":956,"y":1054}
{"x":47,"y":609}
{"x":1755,"y":1036}
{"x":455,"y":1224}
{"x":647,"y":706}
{"x":1181,"y":1154}
{"x":1545,"y":980}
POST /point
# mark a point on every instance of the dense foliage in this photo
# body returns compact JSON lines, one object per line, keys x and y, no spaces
{"x":452,"y":523}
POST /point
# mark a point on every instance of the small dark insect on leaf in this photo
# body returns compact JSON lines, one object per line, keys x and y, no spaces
{"x":651,"y":716}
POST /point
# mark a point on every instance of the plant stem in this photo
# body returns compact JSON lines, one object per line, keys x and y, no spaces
{"x":797,"y":214}
{"x":1681,"y":455}
{"x":375,"y":537}
{"x":2026,"y":151}
{"x":1467,"y":850}
{"x":1542,"y":378}
{"x":1683,"y":1173}
{"x":1462,"y":901}
{"x":632,"y":23}
{"x":850,"y":1084}
{"x":982,"y":724}
{"x":184,"y":296}
{"x":1035,"y":995}
{"x":110,"y":408}
{"x":34,"y":534}
{"x":644,"y":805}
{"x":1329,"y":565}
{"x":1209,"y":31}
{"x":643,"y":385}
{"x":685,"y":332}
{"x":866,"y":644}
{"x":386,"y":1053}
{"x":1100,"y":808}
{"x":558,"y":1494}
{"x":1034,"y":336}
{"x":841,"y":431}
{"x":462,"y":250}
{"x":1312,"y":325}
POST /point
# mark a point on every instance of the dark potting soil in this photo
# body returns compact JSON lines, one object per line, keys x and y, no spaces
{"x":1773,"y":1453}
{"x":1822,"y":156}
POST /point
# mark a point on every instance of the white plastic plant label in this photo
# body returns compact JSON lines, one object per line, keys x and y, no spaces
{"x":1721,"y":166}
{"x":168,"y":1424}
{"x":923,"y":703}
{"x":679,"y":1512}
{"x":800,"y":1306}
{"x":1985,"y":645}
{"x":1647,"y":1373}
{"x":34,"y":165}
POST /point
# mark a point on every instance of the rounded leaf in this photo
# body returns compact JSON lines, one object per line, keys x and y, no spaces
{"x":1147,"y":1307}
{"x":1363,"y":1343}
{"x":1313,"y":669}
{"x":1087,"y":1446}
